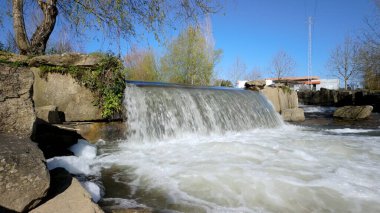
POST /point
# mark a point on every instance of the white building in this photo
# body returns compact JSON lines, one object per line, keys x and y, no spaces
{"x":328,"y":84}
{"x":240,"y":84}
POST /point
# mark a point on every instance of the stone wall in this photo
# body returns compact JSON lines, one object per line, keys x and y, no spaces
{"x":17,"y":113}
{"x":326,"y":97}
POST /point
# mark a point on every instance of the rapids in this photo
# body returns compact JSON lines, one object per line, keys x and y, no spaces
{"x":196,"y":150}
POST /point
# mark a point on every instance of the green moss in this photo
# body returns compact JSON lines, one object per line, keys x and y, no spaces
{"x":107,"y":80}
{"x":14,"y":63}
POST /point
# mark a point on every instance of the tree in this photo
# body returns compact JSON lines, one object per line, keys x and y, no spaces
{"x":114,"y":18}
{"x":223,"y":83}
{"x":255,"y":74}
{"x":368,"y":58}
{"x":342,"y":61}
{"x":238,"y":71}
{"x":62,"y":45}
{"x":141,"y":65}
{"x":282,"y":65}
{"x":189,"y":59}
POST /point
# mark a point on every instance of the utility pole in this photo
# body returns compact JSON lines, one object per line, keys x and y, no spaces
{"x":309,"y":66}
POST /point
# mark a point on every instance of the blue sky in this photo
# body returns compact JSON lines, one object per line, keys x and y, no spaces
{"x":255,"y":30}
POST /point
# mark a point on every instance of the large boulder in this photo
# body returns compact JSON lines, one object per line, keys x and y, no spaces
{"x":17,"y":113}
{"x":281,"y":98}
{"x":295,"y":115}
{"x":74,"y":199}
{"x":353,"y":112}
{"x":74,"y":100}
{"x":24,"y":178}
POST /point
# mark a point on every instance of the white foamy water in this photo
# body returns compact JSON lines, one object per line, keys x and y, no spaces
{"x":350,"y":130}
{"x":285,"y":169}
{"x":313,"y":109}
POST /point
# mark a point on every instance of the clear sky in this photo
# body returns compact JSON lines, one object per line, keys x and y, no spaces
{"x":255,"y":30}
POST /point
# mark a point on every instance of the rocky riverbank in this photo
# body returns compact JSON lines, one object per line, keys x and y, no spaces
{"x":326,"y":97}
{"x":284,"y":100}
{"x":44,"y":111}
{"x":322,"y":117}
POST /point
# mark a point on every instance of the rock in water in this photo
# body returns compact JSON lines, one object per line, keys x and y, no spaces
{"x":24,"y":178}
{"x":296,"y":114}
{"x":73,"y":199}
{"x":353,"y":112}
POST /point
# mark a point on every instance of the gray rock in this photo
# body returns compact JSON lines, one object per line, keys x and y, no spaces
{"x":17,"y":114}
{"x":74,"y":199}
{"x":75,"y":101}
{"x":295,"y":115}
{"x":24,"y":178}
{"x":353,"y":112}
{"x":49,"y":114}
{"x":65,"y":60}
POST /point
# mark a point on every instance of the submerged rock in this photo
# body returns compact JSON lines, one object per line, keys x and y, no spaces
{"x":353,"y":112}
{"x":24,"y":178}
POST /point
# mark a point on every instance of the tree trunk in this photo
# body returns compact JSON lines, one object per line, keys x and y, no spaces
{"x":345,"y":84}
{"x":37,"y":45}
{"x":19,"y":26}
{"x":44,"y":30}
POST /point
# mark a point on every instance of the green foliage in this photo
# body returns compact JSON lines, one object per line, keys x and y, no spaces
{"x":141,"y":65}
{"x":190,"y":59}
{"x":107,"y":80}
{"x":223,"y":83}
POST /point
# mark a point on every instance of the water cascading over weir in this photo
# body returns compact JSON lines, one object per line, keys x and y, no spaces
{"x":157,"y":111}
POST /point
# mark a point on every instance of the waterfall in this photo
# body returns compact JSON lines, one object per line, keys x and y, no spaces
{"x":156,"y":112}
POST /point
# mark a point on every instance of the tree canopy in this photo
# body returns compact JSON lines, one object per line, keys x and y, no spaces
{"x":141,"y":65}
{"x":120,"y":18}
{"x":190,"y":59}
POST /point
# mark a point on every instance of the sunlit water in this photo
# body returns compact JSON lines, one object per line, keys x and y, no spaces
{"x":269,"y":168}
{"x":288,"y":169}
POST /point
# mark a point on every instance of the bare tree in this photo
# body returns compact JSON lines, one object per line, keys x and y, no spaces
{"x":282,"y":65}
{"x":255,"y":74}
{"x":238,"y":71}
{"x":63,"y":44}
{"x":342,"y":61}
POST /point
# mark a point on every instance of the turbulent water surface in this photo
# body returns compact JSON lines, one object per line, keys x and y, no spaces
{"x":195,"y":155}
